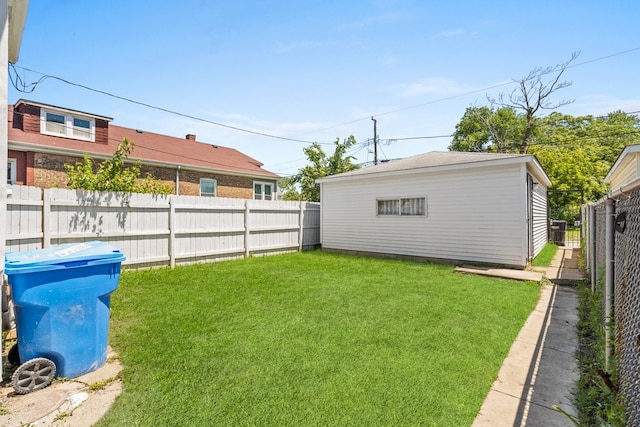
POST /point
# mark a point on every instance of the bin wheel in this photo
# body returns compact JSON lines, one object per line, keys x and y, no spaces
{"x":13,"y":356}
{"x":33,"y":375}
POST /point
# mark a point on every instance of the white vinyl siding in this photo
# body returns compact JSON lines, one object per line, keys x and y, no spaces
{"x":628,"y":171}
{"x":475,"y":214}
{"x":540,"y":220}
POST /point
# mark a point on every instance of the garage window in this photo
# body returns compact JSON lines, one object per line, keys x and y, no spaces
{"x":413,"y":206}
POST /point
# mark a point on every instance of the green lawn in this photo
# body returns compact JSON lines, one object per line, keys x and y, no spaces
{"x":311,"y":339}
{"x":544,"y":258}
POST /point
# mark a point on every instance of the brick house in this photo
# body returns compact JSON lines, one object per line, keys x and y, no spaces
{"x":43,"y":138}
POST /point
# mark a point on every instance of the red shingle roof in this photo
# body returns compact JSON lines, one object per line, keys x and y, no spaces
{"x":150,"y":148}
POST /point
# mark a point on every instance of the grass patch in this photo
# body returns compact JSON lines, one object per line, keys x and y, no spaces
{"x":311,"y":339}
{"x":544,"y":258}
{"x":597,"y":398}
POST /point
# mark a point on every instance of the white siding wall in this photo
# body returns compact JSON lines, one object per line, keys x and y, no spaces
{"x":476,"y":214}
{"x":629,"y":171}
{"x":540,"y":220}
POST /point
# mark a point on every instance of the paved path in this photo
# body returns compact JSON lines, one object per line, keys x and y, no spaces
{"x":541,"y":368}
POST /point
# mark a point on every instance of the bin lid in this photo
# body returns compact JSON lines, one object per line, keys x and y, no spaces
{"x":63,"y":254}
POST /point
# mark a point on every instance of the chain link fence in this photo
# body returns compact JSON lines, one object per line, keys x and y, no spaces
{"x":624,"y":345}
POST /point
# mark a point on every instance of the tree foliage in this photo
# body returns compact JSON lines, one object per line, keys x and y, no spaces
{"x":302,"y":186}
{"x":112,"y":175}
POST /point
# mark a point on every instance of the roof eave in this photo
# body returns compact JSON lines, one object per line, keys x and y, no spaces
{"x":458,"y":166}
{"x":17,"y":21}
{"x":66,"y":110}
{"x":23,"y":146}
{"x":623,"y":157}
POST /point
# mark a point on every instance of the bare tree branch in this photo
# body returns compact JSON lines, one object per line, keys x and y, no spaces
{"x":533,"y":93}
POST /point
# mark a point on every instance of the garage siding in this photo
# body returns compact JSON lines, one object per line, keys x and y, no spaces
{"x":540,"y":219}
{"x":473,"y":214}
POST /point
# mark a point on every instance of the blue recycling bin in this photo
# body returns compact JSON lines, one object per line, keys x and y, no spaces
{"x":61,"y":299}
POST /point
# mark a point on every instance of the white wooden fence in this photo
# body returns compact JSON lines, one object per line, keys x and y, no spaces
{"x":155,"y":230}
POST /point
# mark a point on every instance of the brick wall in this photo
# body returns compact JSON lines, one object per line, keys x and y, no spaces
{"x":48,"y":171}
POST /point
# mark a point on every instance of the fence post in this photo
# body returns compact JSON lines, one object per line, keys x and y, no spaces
{"x":46,"y":218}
{"x":172,"y":232}
{"x":592,"y":236}
{"x":610,"y":215}
{"x":246,"y":228}
{"x":301,"y":222}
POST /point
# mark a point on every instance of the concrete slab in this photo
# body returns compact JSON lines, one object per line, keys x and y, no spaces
{"x":565,"y":267}
{"x":504,"y":273}
{"x":70,"y":403}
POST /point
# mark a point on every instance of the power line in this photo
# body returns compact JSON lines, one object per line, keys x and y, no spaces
{"x":28,"y":88}
{"x":435,"y":101}
{"x":176,"y":155}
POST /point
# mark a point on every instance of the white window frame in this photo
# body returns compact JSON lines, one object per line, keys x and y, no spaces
{"x":12,"y":165}
{"x":68,"y":126}
{"x":264,"y":185}
{"x":396,"y":206}
{"x":209,"y":181}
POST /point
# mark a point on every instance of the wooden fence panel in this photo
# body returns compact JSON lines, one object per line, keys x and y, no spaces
{"x":24,"y":219}
{"x":160,"y":230}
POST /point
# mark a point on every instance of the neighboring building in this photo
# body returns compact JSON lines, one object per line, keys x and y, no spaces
{"x":626,"y":170}
{"x":443,"y":206}
{"x":43,"y":138}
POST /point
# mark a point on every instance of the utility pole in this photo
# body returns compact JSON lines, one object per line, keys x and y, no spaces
{"x":375,"y":141}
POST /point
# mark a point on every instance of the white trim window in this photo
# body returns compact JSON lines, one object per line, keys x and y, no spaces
{"x":409,"y":206}
{"x":58,"y":123}
{"x":208,"y":187}
{"x":263,"y":190}
{"x":12,"y":165}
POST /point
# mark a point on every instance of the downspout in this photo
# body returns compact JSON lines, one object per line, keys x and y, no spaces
{"x":178,"y":180}
{"x":610,"y":216}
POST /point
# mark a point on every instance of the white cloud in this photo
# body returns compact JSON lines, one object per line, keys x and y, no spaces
{"x":281,"y":47}
{"x":451,"y":33}
{"x":598,"y":105}
{"x":430,"y":86}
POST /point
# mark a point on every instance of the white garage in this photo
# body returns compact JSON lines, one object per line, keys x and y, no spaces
{"x":443,"y":206}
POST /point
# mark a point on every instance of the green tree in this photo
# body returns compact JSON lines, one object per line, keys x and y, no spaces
{"x":488,"y":129}
{"x":112,"y":175}
{"x":578,"y":152}
{"x":575,"y":152}
{"x":302,"y":186}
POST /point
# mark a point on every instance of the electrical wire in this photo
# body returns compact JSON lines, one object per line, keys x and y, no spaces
{"x":32,"y":86}
{"x":175,"y":155}
{"x":435,"y":101}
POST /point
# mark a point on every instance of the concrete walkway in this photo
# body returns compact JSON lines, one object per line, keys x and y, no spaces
{"x":541,"y":369}
{"x":70,"y":403}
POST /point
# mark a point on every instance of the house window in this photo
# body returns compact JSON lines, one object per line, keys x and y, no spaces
{"x":67,"y":125}
{"x":414,"y":206}
{"x":11,"y":171}
{"x":263,"y":190}
{"x":208,"y":187}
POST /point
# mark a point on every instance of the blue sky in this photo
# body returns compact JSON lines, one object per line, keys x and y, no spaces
{"x":318,"y":70}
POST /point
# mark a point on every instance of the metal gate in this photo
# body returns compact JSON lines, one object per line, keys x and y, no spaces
{"x":565,"y":217}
